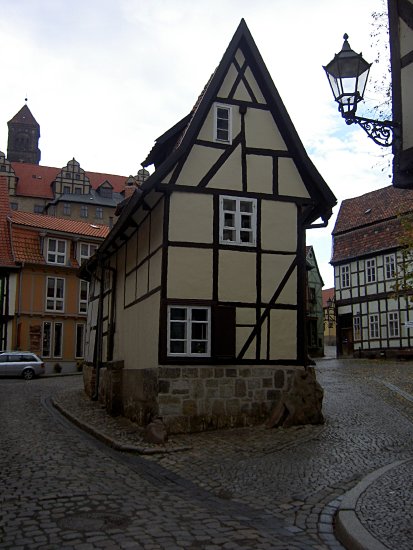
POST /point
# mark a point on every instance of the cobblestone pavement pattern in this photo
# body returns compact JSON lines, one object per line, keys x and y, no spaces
{"x":236,"y":489}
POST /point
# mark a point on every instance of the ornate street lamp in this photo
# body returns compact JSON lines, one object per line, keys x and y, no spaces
{"x":347,"y":74}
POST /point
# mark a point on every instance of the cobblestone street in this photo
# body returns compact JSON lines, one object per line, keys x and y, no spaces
{"x":243,"y":488}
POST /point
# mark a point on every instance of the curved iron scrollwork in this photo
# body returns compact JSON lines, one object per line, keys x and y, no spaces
{"x":380,"y":131}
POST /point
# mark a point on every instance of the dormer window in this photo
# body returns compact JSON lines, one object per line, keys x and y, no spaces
{"x":106,"y":192}
{"x":222,"y":123}
{"x":56,"y":251}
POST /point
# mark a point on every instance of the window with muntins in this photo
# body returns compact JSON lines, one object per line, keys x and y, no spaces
{"x":238,"y":221}
{"x":83,"y":296}
{"x":66,"y":208}
{"x":83,"y":211}
{"x":390,"y":266}
{"x":371,"y":271}
{"x":374,"y":327}
{"x":99,"y":213}
{"x":55,"y":289}
{"x":189,"y":331}
{"x":86,"y":250}
{"x":393,"y":324}
{"x":56,"y":251}
{"x":345,"y":276}
{"x":223,"y":123}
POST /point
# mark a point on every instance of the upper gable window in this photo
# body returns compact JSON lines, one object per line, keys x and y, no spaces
{"x":56,"y":251}
{"x":222,"y":123}
{"x":86,"y":250}
{"x":237,"y":221}
{"x":106,"y":192}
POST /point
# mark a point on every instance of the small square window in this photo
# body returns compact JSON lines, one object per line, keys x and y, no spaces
{"x":238,"y":221}
{"x":189,"y":331}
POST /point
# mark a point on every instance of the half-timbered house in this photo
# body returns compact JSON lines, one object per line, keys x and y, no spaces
{"x":198,"y":300}
{"x":371,"y":264}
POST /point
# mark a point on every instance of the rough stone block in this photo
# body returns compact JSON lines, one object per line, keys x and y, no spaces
{"x":254,"y":384}
{"x":226,"y":391}
{"x":218,"y":407}
{"x":246,"y":373}
{"x":231,"y":373}
{"x":218,"y":372}
{"x":169,"y":372}
{"x":232,"y":407}
{"x":206,"y":372}
{"x":164,"y":386}
{"x":197,"y":389}
{"x":279,"y":379}
{"x":189,"y":407}
{"x":267,"y":383}
{"x":240,"y":388}
{"x":189,"y":372}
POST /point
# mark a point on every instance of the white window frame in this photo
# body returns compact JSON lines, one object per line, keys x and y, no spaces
{"x":85,"y":251}
{"x":47,"y":352}
{"x":52,"y":327}
{"x":187,"y":338}
{"x":390,"y":266}
{"x":99,"y":213}
{"x":371,"y":275}
{"x":374,"y":326}
{"x":219,"y":126}
{"x":66,"y":209}
{"x":345,"y":276}
{"x":393,"y":324}
{"x":238,"y":215}
{"x":84,"y":211}
{"x":83,"y":302}
{"x":56,"y":251}
{"x":357,"y":327}
{"x":55,"y":302}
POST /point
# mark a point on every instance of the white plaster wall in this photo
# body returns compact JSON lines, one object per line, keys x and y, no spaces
{"x":289,"y":179}
{"x":261,"y":130}
{"x":189,"y":273}
{"x":199,"y":161}
{"x":190,"y":218}
{"x":259,"y":174}
{"x":229,"y":176}
{"x":274,"y":268}
{"x":279,"y":226}
{"x":283,"y":334}
{"x":237,"y":276}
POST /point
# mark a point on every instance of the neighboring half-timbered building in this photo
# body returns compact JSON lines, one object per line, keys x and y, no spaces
{"x":369,"y":269}
{"x":198,"y":308}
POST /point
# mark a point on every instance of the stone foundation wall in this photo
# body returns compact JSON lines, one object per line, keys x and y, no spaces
{"x":192,"y":399}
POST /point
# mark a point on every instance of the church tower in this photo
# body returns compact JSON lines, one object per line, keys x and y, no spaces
{"x":24,"y":134}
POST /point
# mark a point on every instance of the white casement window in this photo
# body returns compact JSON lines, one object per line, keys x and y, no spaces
{"x":237,"y":221}
{"x":80,"y":340}
{"x":55,"y":291}
{"x":222,"y":123}
{"x":56,"y":251}
{"x":371,"y":270}
{"x":52,"y":340}
{"x":390,"y":266}
{"x":85,"y":251}
{"x":374,"y":327}
{"x":189,"y":331}
{"x":393,"y":324}
{"x":345,"y":276}
{"x":357,"y":327}
{"x":83,"y":296}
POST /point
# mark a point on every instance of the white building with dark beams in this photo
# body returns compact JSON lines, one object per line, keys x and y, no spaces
{"x":198,"y":300}
{"x":368,"y":261}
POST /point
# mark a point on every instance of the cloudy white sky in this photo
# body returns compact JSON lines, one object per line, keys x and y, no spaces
{"x":104,"y":78}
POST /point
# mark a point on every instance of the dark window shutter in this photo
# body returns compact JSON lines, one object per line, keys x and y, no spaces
{"x":223,"y":332}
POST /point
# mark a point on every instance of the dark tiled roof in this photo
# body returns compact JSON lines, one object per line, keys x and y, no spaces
{"x":24,"y":116}
{"x":370,"y":208}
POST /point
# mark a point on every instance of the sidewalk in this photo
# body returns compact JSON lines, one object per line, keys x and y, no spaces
{"x":359,"y":522}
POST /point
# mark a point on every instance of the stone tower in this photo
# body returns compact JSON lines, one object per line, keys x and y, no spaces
{"x":24,"y":134}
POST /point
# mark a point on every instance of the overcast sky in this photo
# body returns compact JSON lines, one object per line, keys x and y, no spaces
{"x":105,"y":78}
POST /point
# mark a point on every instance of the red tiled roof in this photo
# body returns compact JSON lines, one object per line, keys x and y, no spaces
{"x":36,"y":180}
{"x":41,"y":221}
{"x":26,"y":246}
{"x":6,"y":256}
{"x":381,"y":236}
{"x":382,"y":204}
{"x":328,"y":294}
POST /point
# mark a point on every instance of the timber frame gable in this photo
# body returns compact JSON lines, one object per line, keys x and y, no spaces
{"x":207,"y":261}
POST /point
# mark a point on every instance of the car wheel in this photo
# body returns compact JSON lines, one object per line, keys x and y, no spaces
{"x":28,"y":374}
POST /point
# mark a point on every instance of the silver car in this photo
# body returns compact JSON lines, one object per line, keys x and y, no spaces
{"x":20,"y":363}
